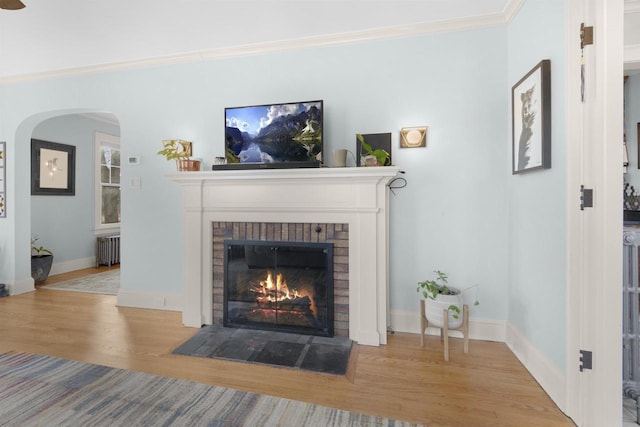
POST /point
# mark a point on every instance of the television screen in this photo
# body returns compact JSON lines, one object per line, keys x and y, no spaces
{"x":276,"y":135}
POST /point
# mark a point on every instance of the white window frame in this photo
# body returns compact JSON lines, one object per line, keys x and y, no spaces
{"x":101,"y":139}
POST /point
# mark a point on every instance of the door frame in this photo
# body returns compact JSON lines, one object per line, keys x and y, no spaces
{"x":594,"y":235}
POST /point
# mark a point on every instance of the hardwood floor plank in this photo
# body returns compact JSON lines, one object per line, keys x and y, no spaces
{"x":402,"y":380}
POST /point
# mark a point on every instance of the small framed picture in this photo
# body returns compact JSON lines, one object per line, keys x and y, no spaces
{"x":531,"y":119}
{"x":53,"y":169}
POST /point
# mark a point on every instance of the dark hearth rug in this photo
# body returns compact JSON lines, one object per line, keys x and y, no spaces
{"x":306,"y":352}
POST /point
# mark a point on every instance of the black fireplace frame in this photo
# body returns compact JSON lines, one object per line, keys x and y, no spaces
{"x":327,"y":248}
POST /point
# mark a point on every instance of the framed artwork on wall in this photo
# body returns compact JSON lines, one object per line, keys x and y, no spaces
{"x":53,"y":169}
{"x":531,"y":120}
{"x":3,"y":177}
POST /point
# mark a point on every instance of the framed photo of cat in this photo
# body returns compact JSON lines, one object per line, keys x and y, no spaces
{"x":531,"y":120}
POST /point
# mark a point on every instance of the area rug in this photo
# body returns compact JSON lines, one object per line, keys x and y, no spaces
{"x":107,"y":283}
{"x":297,"y":351}
{"x":40,"y":390}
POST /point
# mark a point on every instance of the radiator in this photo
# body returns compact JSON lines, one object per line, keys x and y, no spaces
{"x":108,"y":250}
{"x":631,"y":316}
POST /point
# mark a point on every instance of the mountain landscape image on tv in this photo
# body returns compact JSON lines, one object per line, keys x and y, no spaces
{"x":274,"y":134}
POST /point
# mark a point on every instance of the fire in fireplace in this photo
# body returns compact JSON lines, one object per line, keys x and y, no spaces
{"x":283,"y":286}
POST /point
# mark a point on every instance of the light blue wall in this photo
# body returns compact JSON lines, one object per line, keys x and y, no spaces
{"x":453,"y":214}
{"x":537,"y":211}
{"x":65,"y":224}
{"x":632,"y":118}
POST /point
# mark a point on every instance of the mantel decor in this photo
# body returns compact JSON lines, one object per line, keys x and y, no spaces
{"x":531,"y":119}
{"x":53,"y":169}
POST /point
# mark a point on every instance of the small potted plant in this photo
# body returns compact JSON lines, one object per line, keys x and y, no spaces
{"x":41,"y":261}
{"x":377,"y":157}
{"x":180,"y":151}
{"x":439,"y":296}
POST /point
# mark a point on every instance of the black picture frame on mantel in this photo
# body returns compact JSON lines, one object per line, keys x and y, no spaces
{"x":531,"y":120}
{"x":376,"y":141}
{"x":53,"y":169}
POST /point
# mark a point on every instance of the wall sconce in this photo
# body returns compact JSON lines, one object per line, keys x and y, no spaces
{"x":413,"y":137}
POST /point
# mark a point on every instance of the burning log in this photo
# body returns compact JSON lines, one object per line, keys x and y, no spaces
{"x":300,"y":304}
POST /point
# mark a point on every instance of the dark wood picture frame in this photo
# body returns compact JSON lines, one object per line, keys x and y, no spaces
{"x":531,"y":120}
{"x":53,"y":169}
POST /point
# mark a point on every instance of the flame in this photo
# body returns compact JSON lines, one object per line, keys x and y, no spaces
{"x":276,"y":290}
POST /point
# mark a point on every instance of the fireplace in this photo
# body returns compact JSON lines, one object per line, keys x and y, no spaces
{"x":355,"y":199}
{"x":277,"y":285}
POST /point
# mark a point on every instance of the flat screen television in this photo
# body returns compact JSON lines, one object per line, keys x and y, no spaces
{"x":273,"y":136}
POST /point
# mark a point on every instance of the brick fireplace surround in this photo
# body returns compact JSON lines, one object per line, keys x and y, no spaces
{"x":336,"y":234}
{"x":353,"y":199}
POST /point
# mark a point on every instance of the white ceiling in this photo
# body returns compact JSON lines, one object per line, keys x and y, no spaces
{"x":60,"y":34}
{"x":50,"y":35}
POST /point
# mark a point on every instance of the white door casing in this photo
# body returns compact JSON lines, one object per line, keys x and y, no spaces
{"x":594,"y":235}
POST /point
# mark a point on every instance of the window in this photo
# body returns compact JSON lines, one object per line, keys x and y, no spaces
{"x":107,"y":182}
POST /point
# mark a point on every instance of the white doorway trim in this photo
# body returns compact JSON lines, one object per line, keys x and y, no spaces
{"x":594,"y":236}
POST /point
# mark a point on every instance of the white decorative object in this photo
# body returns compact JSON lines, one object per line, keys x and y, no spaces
{"x":434,"y":310}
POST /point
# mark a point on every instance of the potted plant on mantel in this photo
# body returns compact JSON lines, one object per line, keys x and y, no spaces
{"x":180,"y":151}
{"x":41,"y":261}
{"x":438,"y":297}
{"x":377,"y":157}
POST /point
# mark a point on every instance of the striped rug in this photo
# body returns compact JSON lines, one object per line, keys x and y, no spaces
{"x":106,"y":283}
{"x":46,"y":391}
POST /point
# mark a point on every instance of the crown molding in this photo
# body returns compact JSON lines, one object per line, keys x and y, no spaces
{"x":107,"y":118}
{"x":477,"y":22}
{"x":511,"y":9}
{"x":632,"y":57}
{"x":632,"y":6}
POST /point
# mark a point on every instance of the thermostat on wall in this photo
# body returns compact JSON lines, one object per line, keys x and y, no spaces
{"x":134,"y":160}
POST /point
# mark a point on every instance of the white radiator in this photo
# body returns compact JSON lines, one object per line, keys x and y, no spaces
{"x":631,"y":316}
{"x":108,"y":250}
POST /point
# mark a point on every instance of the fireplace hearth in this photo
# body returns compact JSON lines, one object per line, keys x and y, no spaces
{"x":279,"y":286}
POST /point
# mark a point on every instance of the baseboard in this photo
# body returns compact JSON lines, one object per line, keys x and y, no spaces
{"x":72,"y":265}
{"x":152,"y":300}
{"x":21,"y":286}
{"x":550,"y":378}
{"x":479,"y":329}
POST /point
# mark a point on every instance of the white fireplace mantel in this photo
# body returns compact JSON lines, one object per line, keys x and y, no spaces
{"x":356,"y":196}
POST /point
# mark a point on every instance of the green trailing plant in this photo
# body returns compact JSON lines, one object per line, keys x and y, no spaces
{"x":175,"y":149}
{"x":430,"y":289}
{"x":381,"y":155}
{"x":39,"y":251}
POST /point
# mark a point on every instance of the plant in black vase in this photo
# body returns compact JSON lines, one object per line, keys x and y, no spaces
{"x":41,"y":261}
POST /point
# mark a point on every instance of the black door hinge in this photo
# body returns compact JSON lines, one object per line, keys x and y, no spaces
{"x":586,"y":360}
{"x":586,"y":197}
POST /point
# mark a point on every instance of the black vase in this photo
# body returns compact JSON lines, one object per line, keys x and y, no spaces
{"x":40,"y":267}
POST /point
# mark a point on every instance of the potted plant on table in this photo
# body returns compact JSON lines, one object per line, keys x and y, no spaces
{"x":41,"y":261}
{"x":180,"y":151}
{"x":438,"y":297}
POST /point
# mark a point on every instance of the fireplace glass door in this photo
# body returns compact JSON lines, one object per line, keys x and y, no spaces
{"x":283,"y":286}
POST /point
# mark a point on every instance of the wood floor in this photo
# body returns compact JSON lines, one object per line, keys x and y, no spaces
{"x":487,"y":387}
